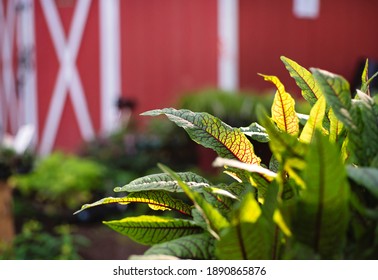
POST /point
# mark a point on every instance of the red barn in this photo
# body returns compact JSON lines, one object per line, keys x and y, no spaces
{"x":64,"y":63}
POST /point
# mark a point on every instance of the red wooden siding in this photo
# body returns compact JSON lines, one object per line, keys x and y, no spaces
{"x":168,"y":47}
{"x":344,"y":32}
{"x":68,"y":136}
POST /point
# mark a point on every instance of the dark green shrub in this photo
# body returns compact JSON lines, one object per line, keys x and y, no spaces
{"x":61,"y":181}
{"x":35,"y":243}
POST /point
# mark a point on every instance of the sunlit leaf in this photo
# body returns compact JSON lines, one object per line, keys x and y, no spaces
{"x":283,"y":145}
{"x":156,"y":200}
{"x":304,"y":80}
{"x":151,"y":230}
{"x":336,"y":90}
{"x":315,"y":121}
{"x":165,"y":182}
{"x":283,"y":108}
{"x":212,"y":133}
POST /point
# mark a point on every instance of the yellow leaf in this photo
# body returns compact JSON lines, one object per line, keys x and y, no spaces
{"x":283,"y":108}
{"x":315,"y":120}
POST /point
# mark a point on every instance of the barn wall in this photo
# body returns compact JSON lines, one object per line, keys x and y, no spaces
{"x":344,"y":32}
{"x":168,"y":47}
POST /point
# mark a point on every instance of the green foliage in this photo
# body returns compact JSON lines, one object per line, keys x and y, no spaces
{"x":61,"y":181}
{"x":35,"y":243}
{"x":316,"y":198}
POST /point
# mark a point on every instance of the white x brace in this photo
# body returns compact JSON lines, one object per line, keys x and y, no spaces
{"x":68,"y":80}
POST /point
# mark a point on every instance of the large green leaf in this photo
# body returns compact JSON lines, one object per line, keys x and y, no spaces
{"x":248,"y":236}
{"x":214,"y":219}
{"x":151,"y":230}
{"x":315,"y":121}
{"x":283,"y":108}
{"x":336,"y":90}
{"x":304,"y":80}
{"x":165,"y":182}
{"x":195,"y":247}
{"x":156,"y":200}
{"x":322,"y":214}
{"x":212,"y":133}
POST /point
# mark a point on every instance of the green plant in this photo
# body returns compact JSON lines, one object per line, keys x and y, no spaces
{"x":35,"y":243}
{"x":61,"y":181}
{"x":316,"y":198}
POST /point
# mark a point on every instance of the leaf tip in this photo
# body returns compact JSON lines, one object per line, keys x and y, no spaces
{"x":152,"y":113}
{"x":85,"y":206}
{"x":117,"y":189}
{"x":262,"y":75}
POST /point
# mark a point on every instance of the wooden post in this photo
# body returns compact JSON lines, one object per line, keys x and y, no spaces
{"x":6,"y":215}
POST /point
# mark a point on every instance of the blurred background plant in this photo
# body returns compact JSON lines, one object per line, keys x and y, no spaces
{"x":59,"y":182}
{"x":38,"y":196}
{"x":35,"y":243}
